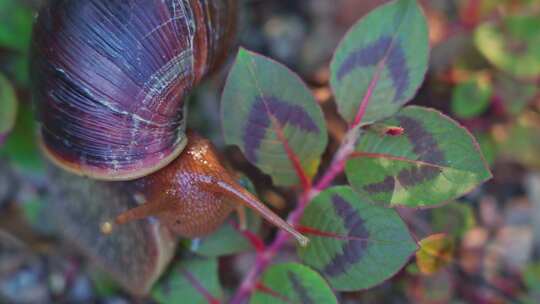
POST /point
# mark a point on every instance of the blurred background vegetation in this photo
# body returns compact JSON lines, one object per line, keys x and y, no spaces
{"x":484,"y":71}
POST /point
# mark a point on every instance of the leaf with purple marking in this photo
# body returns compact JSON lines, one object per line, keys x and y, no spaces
{"x":435,"y":160}
{"x":382,"y":58}
{"x":292,"y":283}
{"x":8,"y":108}
{"x":193,"y":280}
{"x":271,"y":115}
{"x":354,"y":244}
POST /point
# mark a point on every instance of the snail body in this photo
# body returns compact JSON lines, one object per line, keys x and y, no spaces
{"x":110,"y":79}
{"x":194,"y":194}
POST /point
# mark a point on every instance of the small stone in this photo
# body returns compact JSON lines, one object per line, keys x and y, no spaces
{"x":106,"y":228}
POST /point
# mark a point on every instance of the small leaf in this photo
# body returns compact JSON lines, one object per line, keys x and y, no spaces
{"x":520,"y":141}
{"x":513,"y":45}
{"x":8,"y":108}
{"x":104,"y":285}
{"x":435,"y":160}
{"x":21,"y":148}
{"x":454,"y":218}
{"x":16,"y":26}
{"x":292,"y":283}
{"x":515,"y":94}
{"x":32,"y":209}
{"x":271,"y":115}
{"x":354,"y":244}
{"x":488,"y":146}
{"x":384,"y":58}
{"x":436,"y":252}
{"x":471,"y":98}
{"x":228,"y":239}
{"x":438,"y":288}
{"x":531,"y":278}
{"x":193,"y":280}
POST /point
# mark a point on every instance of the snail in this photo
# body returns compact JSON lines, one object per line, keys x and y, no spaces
{"x":110,"y":78}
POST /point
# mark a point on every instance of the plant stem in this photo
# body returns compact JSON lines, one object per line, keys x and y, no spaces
{"x":249,"y":284}
{"x":338,"y":162}
{"x":264,"y":257}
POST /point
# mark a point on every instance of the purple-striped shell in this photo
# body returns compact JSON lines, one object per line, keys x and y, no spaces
{"x":110,"y":78}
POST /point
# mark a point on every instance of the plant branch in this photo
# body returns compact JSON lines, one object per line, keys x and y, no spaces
{"x":254,"y":240}
{"x":338,"y":162}
{"x":264,"y":258}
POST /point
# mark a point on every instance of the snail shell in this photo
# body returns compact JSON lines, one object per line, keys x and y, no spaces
{"x":110,"y":79}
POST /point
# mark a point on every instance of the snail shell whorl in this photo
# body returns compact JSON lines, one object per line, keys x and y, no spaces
{"x":110,"y":78}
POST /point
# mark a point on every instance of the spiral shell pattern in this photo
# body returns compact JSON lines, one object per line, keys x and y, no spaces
{"x":110,"y":79}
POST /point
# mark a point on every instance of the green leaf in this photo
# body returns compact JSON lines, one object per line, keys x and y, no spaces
{"x":354,"y":244}
{"x":437,"y":288}
{"x":520,"y":141}
{"x":293,"y":283}
{"x":512,"y":45}
{"x":16,"y":68}
{"x":104,"y":284}
{"x":228,"y":240}
{"x":531,"y":278}
{"x":22,"y":145}
{"x":387,"y":51}
{"x":454,"y":218}
{"x":39,"y":215}
{"x":193,"y":280}
{"x":471,"y":98}
{"x":515,"y":94}
{"x":488,"y":146}
{"x":433,"y":161}
{"x":8,"y":108}
{"x":16,"y":28}
{"x":271,"y":115}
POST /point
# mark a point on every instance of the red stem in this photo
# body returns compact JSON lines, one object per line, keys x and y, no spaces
{"x":262,"y":288}
{"x":304,"y":178}
{"x":255,"y":241}
{"x":367,"y":97}
{"x":200,"y":288}
{"x":264,"y":257}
